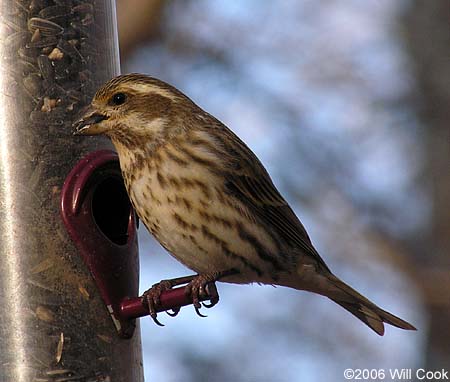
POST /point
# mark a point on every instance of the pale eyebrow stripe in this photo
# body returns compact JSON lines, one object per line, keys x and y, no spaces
{"x":149,"y":88}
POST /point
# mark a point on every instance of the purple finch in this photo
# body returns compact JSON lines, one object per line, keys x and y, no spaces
{"x":207,"y":198}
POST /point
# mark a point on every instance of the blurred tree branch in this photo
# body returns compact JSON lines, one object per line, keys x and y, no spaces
{"x":138,"y":21}
{"x":428,"y":40}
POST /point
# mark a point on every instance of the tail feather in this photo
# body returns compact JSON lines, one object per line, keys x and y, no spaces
{"x":369,"y":313}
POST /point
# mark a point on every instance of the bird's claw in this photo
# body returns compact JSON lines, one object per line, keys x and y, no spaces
{"x":208,"y":306}
{"x":213,"y":296}
{"x":200,"y":287}
{"x":151,"y":299}
{"x":174,"y":312}
{"x":197,"y":306}
{"x":197,"y":310}
{"x":155,"y":320}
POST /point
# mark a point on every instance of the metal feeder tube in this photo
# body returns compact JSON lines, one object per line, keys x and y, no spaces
{"x":54,"y":325}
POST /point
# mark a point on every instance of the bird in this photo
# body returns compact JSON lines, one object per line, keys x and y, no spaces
{"x":207,"y":198}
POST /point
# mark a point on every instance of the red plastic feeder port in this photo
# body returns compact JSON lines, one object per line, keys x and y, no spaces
{"x":101,"y":222}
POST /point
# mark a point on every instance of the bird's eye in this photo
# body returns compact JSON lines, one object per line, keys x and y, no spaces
{"x":118,"y":98}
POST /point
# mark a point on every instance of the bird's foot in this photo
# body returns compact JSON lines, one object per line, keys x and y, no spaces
{"x":203,"y":285}
{"x":151,"y":298}
{"x":198,"y":288}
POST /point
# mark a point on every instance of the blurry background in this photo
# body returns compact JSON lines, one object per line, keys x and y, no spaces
{"x":346,"y":103}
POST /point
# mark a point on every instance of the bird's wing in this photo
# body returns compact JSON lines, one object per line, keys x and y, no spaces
{"x":247,"y":180}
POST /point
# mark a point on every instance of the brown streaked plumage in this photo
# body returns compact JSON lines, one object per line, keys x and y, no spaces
{"x":207,"y":198}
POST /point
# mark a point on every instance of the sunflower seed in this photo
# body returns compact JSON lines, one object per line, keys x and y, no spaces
{"x":47,"y":28}
{"x":26,"y":67}
{"x":70,"y":50}
{"x":36,"y":5}
{"x":27,"y":54}
{"x":46,"y":68}
{"x":33,"y":84}
{"x":54,"y":11}
{"x":16,"y":39}
{"x":43,"y":43}
{"x":83,"y":8}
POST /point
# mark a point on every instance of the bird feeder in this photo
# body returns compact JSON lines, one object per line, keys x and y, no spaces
{"x":54,"y":321}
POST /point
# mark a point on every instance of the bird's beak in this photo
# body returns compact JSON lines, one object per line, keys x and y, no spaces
{"x":90,"y":123}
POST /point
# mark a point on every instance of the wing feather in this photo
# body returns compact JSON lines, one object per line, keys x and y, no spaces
{"x":249,"y":182}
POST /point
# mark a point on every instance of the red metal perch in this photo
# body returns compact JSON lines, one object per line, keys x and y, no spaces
{"x":170,"y":299}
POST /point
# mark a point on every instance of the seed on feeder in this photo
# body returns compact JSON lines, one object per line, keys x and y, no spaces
{"x":59,"y":348}
{"x":73,"y":98}
{"x":47,"y":28}
{"x":46,"y":68}
{"x":44,"y":314}
{"x":25,"y":68}
{"x":69,"y":49}
{"x":43,"y":43}
{"x":46,"y":50}
{"x":83,"y":8}
{"x":71,"y":106}
{"x":62,"y":69}
{"x":56,"y":54}
{"x":36,"y":175}
{"x":54,"y":11}
{"x":36,"y":35}
{"x":12,"y":24}
{"x":36,"y":5}
{"x":74,"y":42}
{"x":84,"y":292}
{"x":75,"y":95}
{"x":69,"y":33}
{"x":49,"y":105}
{"x":16,"y":39}
{"x":105,"y":338}
{"x":55,"y":91}
{"x":88,"y":19}
{"x":80,"y":27}
{"x":59,"y":372}
{"x":20,"y":5}
{"x":32,"y":84}
{"x":27,"y":54}
{"x":56,"y":190}
{"x":43,"y":266}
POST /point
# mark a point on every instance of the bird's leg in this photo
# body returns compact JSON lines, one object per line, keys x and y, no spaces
{"x":198,"y":287}
{"x":151,"y":297}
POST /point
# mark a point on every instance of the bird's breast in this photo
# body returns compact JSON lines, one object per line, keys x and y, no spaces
{"x":183,"y":203}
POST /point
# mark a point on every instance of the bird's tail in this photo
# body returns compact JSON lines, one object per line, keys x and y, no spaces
{"x":369,"y":313}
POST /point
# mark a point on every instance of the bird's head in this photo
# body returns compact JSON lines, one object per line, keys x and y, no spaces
{"x":131,"y":107}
